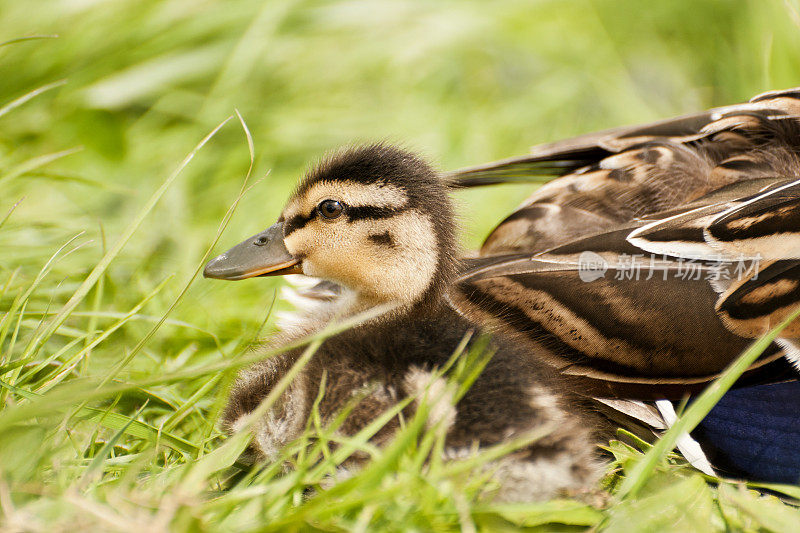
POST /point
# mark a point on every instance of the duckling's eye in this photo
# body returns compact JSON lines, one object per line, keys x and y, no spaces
{"x":330,"y":209}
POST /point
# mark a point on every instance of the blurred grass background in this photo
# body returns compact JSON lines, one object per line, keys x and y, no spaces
{"x":140,"y":82}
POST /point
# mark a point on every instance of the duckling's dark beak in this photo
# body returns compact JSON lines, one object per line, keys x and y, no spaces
{"x":263,"y":254}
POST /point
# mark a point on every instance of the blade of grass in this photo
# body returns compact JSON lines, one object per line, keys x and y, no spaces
{"x":69,"y":394}
{"x":73,"y":361}
{"x":33,"y":370}
{"x":10,"y":212}
{"x":13,"y":104}
{"x":115,"y":372}
{"x":36,"y":162}
{"x":98,"y":459}
{"x":109,"y":256}
{"x":28,"y":38}
{"x":115,"y":421}
{"x":22,"y":299}
{"x":180,"y":413}
{"x":91,"y":326}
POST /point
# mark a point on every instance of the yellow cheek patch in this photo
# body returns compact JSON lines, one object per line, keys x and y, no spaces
{"x":346,"y":253}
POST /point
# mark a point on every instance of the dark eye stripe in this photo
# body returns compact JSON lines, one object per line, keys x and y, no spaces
{"x":359,"y":212}
{"x":366,"y":212}
{"x":297,"y":222}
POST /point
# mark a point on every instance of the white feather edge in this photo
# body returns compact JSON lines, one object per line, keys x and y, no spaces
{"x":689,"y":448}
{"x":791,"y":351}
{"x":746,"y":249}
{"x":686,"y":250}
{"x":713,"y":248}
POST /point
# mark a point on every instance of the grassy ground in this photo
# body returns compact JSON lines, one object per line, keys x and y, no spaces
{"x":114,"y":358}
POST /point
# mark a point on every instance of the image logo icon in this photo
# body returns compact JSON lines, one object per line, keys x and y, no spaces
{"x":591,"y":266}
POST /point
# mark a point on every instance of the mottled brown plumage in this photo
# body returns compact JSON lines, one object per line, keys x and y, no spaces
{"x":715,"y":192}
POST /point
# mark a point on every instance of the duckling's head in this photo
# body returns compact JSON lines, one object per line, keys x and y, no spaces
{"x":375,"y":219}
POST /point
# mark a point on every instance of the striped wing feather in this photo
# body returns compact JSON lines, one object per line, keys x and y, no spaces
{"x":759,"y":302}
{"x":642,"y":329}
{"x":767,"y":225}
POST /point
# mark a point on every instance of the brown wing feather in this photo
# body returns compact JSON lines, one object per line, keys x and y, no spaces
{"x":638,"y":330}
{"x":613,"y":191}
{"x":767,"y":226}
{"x":633,"y":172}
{"x":758,"y":302}
{"x":562,"y":157}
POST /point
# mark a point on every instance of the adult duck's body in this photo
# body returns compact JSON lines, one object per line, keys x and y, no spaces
{"x":661,"y":253}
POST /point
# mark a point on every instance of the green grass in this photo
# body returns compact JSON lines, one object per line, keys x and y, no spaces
{"x":115,"y":358}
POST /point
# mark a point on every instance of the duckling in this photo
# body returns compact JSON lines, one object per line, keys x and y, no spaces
{"x":712,"y":192}
{"x":377,"y":221}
